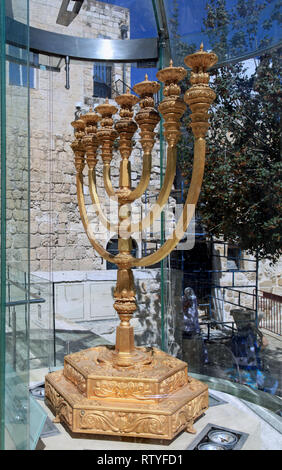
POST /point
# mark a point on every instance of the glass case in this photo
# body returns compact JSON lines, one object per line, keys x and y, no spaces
{"x":15,"y":238}
{"x":210,"y":302}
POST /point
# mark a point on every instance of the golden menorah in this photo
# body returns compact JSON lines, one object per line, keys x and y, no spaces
{"x":127,"y":390}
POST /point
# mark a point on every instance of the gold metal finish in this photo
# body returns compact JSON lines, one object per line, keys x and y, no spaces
{"x":172,"y":107}
{"x":125,"y":390}
{"x":126,"y":128}
{"x":107,"y":180}
{"x":155,"y":401}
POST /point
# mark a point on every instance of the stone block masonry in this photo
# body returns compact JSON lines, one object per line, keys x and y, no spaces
{"x":58,"y":240}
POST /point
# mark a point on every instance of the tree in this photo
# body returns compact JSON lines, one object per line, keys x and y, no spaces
{"x":241,"y":193}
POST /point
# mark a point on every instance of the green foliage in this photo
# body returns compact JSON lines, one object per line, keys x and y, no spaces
{"x":241,"y":194}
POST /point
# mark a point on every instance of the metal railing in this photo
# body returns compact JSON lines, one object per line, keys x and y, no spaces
{"x":271,"y":305}
{"x":226,"y":328}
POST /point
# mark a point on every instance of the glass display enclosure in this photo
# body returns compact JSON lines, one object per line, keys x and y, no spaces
{"x":205,"y":303}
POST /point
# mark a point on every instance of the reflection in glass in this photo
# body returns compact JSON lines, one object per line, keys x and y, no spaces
{"x":233,"y":30}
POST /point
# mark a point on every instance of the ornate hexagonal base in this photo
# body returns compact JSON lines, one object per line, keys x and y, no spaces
{"x":153,"y":400}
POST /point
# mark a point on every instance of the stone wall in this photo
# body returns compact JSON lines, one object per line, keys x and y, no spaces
{"x":17,"y":178}
{"x":58,"y":241}
{"x":270,"y":277}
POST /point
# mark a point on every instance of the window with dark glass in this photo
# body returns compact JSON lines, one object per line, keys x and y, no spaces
{"x":102,"y":80}
{"x":102,"y":77}
{"x":234,"y":256}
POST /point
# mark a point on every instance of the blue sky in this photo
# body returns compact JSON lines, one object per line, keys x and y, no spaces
{"x":191,"y":14}
{"x":143,"y":24}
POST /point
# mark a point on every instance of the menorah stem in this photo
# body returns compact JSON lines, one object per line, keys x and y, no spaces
{"x":125,"y":305}
{"x":124,"y":294}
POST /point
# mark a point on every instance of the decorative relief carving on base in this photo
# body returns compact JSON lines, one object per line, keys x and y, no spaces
{"x":65,"y":413}
{"x":62,"y":408}
{"x":126,"y":417}
{"x":173,"y":383}
{"x":117,"y":389}
{"x":75,"y":377}
{"x":99,"y":361}
{"x":96,"y":378}
{"x":122,"y":423}
{"x":189,"y":412}
{"x":52,"y":394}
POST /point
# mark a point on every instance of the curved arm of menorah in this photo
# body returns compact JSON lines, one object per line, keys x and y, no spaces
{"x":188,"y":209}
{"x":107,"y":180}
{"x":96,"y":202}
{"x":145,"y":178}
{"x":87,"y":227}
{"x":163,"y":194}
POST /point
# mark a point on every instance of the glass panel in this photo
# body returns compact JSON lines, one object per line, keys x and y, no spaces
{"x":15,"y":238}
{"x":60,"y":251}
{"x":232,"y":305}
{"x":41,"y":327}
{"x":17,"y":360}
{"x":82,"y":282}
{"x":18,"y":71}
{"x":3,"y":224}
{"x":37,"y":420}
{"x":137,"y":22}
{"x":119,"y":19}
{"x":233,"y":30}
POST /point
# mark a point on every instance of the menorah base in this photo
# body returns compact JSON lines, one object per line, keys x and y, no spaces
{"x":156,"y":400}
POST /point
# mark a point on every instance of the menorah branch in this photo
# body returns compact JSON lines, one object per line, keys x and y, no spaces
{"x":163,"y":195}
{"x":109,"y":225}
{"x":107,"y":180}
{"x":188,"y":209}
{"x":144,"y":180}
{"x":85,"y":221}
